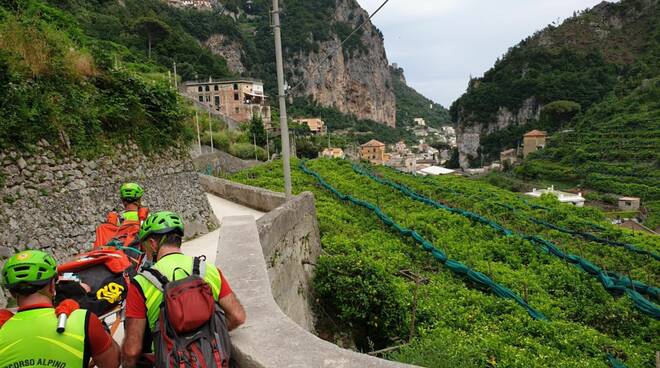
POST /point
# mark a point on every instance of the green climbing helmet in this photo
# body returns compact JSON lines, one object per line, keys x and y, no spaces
{"x":161,"y":223}
{"x":31,"y":267}
{"x":130,"y":192}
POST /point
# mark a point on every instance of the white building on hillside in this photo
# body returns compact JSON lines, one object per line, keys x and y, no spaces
{"x":575,"y":199}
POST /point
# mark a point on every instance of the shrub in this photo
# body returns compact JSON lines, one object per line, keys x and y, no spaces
{"x":362,"y":294}
{"x":247,"y":151}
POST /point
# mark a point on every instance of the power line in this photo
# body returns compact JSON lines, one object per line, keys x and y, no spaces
{"x":333,"y":52}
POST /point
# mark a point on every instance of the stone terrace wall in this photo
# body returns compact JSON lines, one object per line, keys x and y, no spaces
{"x":55,"y":202}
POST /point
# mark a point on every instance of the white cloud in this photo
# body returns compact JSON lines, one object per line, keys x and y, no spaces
{"x":440,"y":43}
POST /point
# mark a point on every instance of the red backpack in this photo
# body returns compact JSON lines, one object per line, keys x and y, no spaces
{"x":191,"y":331}
{"x":115,"y":229}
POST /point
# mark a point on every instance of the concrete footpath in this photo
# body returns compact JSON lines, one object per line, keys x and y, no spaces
{"x":208,"y":244}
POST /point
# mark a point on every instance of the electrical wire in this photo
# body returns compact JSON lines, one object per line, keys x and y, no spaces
{"x":333,"y":52}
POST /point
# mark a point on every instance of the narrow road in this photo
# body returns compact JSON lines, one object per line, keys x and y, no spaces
{"x":208,"y":244}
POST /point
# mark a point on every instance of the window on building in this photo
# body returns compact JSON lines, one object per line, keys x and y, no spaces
{"x":201,"y":98}
{"x":215,"y":88}
{"x":235,"y":96}
{"x":208,"y":88}
{"x":217,"y":100}
{"x":238,"y":110}
{"x":208,"y":98}
{"x":235,"y":86}
{"x":200,"y":89}
{"x":628,"y":203}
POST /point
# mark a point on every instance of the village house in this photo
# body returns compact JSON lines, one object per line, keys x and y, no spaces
{"x":239,"y":99}
{"x":435,"y":171}
{"x":420,"y":122}
{"x":316,"y":125}
{"x":197,"y":4}
{"x":333,"y":153}
{"x":575,"y":199}
{"x":534,"y":141}
{"x":374,"y":152}
{"x":629,"y":203}
{"x":400,"y":147}
{"x":510,"y":156}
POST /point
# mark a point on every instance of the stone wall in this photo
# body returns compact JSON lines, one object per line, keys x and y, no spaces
{"x":222,"y":163}
{"x":54,"y":202}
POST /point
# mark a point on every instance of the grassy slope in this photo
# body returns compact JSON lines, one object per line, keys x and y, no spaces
{"x":57,"y":83}
{"x":458,"y":324}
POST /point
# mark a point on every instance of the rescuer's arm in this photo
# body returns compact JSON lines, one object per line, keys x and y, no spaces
{"x":131,"y":348}
{"x":233,"y":311}
{"x":103,"y":349}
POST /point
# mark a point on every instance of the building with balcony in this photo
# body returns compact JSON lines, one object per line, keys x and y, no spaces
{"x":238,"y":99}
{"x":316,"y":125}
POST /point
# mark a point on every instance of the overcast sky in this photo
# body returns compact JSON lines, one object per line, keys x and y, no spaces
{"x":440,"y":43}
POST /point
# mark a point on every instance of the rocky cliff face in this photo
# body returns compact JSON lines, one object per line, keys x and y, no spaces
{"x":469,"y":133}
{"x":354,"y":82}
{"x":231,"y":51}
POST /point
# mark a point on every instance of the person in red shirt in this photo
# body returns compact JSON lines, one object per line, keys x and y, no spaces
{"x":30,"y":278}
{"x":161,"y":235}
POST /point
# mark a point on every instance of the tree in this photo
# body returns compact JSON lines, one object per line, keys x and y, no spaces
{"x":558,"y":113}
{"x":257,"y":130}
{"x":153,"y":28}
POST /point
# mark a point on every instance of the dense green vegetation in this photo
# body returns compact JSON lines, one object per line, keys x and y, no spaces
{"x":600,"y":94}
{"x":410,"y":104}
{"x":359,"y":284}
{"x":59,"y":84}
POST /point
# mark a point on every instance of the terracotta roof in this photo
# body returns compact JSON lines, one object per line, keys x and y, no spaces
{"x":629,"y":199}
{"x":508,"y":152}
{"x":536,"y":133}
{"x":373,"y":143}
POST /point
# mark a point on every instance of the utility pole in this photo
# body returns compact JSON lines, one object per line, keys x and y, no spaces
{"x":267,"y":145}
{"x":199,"y":136}
{"x":286,"y":150}
{"x":176,"y":82}
{"x":211,"y":129}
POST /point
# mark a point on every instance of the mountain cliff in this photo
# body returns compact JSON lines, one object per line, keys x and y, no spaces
{"x":580,"y":60}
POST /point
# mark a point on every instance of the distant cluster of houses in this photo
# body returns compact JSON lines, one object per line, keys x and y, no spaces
{"x":424,"y":162}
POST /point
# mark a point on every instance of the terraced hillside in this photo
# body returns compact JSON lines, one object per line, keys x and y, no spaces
{"x":499,"y":285}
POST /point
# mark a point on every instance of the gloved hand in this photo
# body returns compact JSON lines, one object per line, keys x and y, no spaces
{"x":67,"y":306}
{"x":5,"y":315}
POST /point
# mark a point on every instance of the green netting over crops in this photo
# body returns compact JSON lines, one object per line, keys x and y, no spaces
{"x":612,"y":281}
{"x":452,"y":265}
{"x":586,"y":236}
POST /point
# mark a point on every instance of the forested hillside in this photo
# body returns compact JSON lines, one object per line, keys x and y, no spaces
{"x":499,"y":284}
{"x":410,"y":104}
{"x":581,"y":61}
{"x":79,"y":92}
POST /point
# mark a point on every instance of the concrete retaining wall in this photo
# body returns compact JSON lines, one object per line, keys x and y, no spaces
{"x":257,"y":198}
{"x":290,"y":241}
{"x":221,"y":163}
{"x":269,"y":339}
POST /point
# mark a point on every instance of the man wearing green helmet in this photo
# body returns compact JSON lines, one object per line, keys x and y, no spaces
{"x":131,"y":196}
{"x":31,"y":337}
{"x":161,"y":236}
{"x":123,"y":225}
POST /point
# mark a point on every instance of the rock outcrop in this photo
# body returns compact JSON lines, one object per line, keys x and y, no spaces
{"x":231,"y":51}
{"x":54,"y":202}
{"x":355,"y":82}
{"x":469,"y":133}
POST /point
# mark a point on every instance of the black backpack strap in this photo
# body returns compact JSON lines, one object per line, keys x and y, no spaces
{"x":155,"y":277}
{"x":199,"y":266}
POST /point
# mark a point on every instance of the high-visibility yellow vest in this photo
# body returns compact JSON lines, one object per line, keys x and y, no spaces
{"x":30,"y":339}
{"x":174,"y":267}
